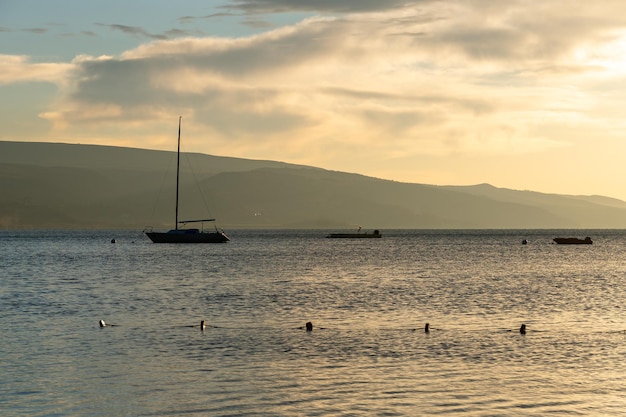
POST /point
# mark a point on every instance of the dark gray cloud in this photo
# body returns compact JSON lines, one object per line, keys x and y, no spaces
{"x":189,"y":19}
{"x":318,"y":6}
{"x":129,"y":86}
{"x":117,"y":82}
{"x":177,"y":33}
{"x":142,"y":33}
{"x":132,"y":30}
{"x":37,"y":31}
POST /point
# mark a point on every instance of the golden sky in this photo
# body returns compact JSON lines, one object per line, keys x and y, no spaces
{"x":520,"y":94}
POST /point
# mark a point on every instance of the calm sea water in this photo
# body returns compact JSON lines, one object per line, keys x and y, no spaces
{"x":368,"y":300}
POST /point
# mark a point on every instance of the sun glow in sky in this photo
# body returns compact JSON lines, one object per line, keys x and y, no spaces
{"x":519,"y":94}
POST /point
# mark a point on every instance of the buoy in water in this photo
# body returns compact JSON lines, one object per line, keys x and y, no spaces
{"x":102,"y":323}
{"x":309,"y":326}
{"x":522,"y":329}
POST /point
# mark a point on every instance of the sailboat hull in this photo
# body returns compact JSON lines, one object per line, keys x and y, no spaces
{"x":187,"y":236}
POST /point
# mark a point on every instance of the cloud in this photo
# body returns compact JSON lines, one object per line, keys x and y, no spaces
{"x":393,"y":78}
{"x":37,"y":31}
{"x":16,"y":69}
{"x":321,"y":6}
{"x":189,"y":19}
{"x":132,"y":30}
{"x":142,"y":33}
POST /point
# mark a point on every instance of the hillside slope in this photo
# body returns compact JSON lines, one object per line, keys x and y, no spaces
{"x":47,"y":185}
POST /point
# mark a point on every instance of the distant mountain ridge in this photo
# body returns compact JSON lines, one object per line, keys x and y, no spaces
{"x":65,"y":186}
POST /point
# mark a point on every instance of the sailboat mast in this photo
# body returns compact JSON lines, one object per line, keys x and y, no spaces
{"x":177,"y":170}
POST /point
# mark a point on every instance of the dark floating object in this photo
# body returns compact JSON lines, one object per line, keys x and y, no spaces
{"x":427,"y":328}
{"x":202,"y":325}
{"x":309,"y":326}
{"x":112,"y":240}
{"x":522,"y":329}
{"x":573,"y":241}
{"x":102,"y":323}
{"x":357,"y":235}
{"x":524,"y":242}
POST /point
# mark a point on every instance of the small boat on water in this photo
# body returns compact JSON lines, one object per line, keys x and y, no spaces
{"x":182,"y":235}
{"x":357,"y":235}
{"x":573,"y":241}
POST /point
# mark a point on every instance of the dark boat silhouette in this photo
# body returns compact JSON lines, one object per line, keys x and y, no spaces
{"x":573,"y":241}
{"x":357,"y":235}
{"x":182,"y":235}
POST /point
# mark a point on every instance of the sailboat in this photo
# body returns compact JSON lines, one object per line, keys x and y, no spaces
{"x":184,"y":235}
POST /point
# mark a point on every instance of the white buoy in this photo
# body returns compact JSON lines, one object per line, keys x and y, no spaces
{"x":102,"y":323}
